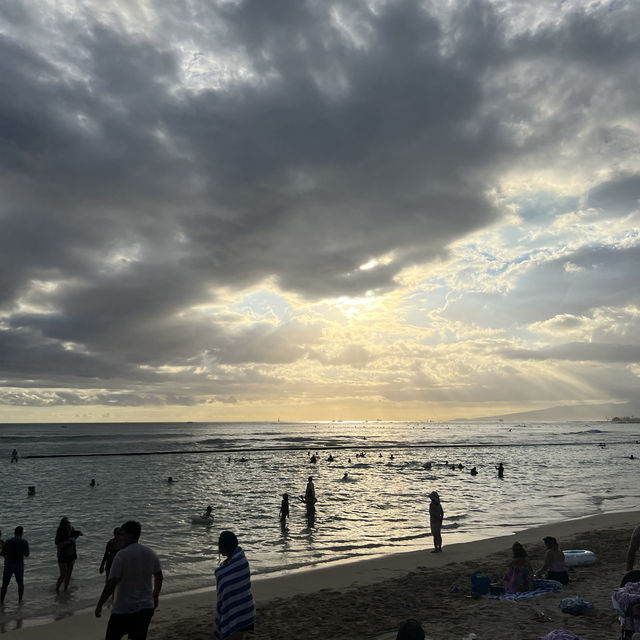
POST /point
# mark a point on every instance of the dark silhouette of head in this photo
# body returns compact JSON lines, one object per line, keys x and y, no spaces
{"x":227,"y":543}
{"x":410,"y":630}
{"x":132,"y":529}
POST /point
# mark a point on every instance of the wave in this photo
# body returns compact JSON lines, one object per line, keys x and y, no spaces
{"x":586,"y":432}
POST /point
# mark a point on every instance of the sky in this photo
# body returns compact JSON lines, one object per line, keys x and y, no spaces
{"x":306,"y":210}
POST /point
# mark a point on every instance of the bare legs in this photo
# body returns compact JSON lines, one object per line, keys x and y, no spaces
{"x":66,"y":569}
{"x":437,"y":539}
{"x":3,"y":591}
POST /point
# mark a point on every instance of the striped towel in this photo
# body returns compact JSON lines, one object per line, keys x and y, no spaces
{"x":235,"y":610}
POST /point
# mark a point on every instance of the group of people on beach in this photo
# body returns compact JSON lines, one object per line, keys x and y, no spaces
{"x":133,"y":579}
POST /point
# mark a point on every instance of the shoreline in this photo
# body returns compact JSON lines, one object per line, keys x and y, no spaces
{"x":184,"y":608}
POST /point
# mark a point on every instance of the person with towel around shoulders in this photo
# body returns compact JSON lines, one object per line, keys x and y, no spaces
{"x":436,"y":516}
{"x":235,"y":609}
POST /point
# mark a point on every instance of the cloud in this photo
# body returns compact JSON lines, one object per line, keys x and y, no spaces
{"x":160,"y":165}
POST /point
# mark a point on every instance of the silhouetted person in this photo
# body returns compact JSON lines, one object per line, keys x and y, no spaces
{"x":14,"y":455}
{"x":137,"y":573}
{"x":14,"y":550}
{"x":284,"y":508}
{"x":410,"y":630}
{"x":436,"y":516}
{"x":65,"y":541}
{"x":500,"y":469}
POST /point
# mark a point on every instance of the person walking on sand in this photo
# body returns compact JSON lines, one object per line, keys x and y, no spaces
{"x":110,"y":551}
{"x":14,"y":550}
{"x":65,"y":541}
{"x":436,"y":516}
{"x":235,"y":609}
{"x":14,"y":455}
{"x":134,"y":569}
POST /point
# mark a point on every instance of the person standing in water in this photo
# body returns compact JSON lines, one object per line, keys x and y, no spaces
{"x":14,"y":455}
{"x":284,"y":508}
{"x":500,"y":469}
{"x":14,"y":550}
{"x":65,"y":542}
{"x":309,"y":497}
{"x":436,"y":516}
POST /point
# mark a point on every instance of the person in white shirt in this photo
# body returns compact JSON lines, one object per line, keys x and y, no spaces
{"x":134,"y":569}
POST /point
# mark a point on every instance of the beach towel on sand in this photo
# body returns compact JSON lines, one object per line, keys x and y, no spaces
{"x":560,"y":634}
{"x":235,"y":610}
{"x":540,"y":587}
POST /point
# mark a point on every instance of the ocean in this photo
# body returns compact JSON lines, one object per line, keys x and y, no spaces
{"x":552,"y":472}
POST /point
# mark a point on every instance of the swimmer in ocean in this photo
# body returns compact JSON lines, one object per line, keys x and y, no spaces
{"x":474,"y":471}
{"x":208,"y":513}
{"x":345,"y":476}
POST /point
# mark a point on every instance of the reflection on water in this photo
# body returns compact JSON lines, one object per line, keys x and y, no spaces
{"x":552,"y":472}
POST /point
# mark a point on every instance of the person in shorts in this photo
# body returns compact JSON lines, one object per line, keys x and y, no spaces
{"x":14,"y":550}
{"x":137,"y":574}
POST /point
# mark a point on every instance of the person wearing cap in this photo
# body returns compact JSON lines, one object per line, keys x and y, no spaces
{"x":436,"y":515}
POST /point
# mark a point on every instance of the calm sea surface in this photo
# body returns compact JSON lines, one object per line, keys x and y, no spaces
{"x":552,"y":472}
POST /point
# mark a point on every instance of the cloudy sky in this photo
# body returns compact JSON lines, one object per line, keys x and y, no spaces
{"x":306,"y":210}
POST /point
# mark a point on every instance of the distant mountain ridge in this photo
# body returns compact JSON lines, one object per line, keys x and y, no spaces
{"x":568,"y":412}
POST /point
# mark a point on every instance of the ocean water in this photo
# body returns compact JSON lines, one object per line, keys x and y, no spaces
{"x":552,"y":472}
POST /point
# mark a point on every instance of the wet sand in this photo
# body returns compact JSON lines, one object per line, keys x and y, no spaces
{"x":369,"y":599}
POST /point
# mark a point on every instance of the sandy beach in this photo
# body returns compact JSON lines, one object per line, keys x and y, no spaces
{"x":370,"y":598}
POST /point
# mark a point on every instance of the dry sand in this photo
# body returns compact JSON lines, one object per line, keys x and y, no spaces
{"x":369,"y":599}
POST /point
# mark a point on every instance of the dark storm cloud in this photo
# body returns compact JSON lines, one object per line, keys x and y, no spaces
{"x":574,"y":284}
{"x":326,"y":147}
{"x":620,"y":196}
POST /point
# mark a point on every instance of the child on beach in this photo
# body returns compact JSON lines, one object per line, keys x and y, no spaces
{"x":519,"y":575}
{"x":284,"y":508}
{"x":436,"y":515}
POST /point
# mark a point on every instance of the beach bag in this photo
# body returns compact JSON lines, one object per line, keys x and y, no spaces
{"x":480,"y":583}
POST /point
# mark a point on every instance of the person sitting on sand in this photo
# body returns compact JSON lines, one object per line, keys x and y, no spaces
{"x":554,"y":565}
{"x":634,"y":544}
{"x":436,"y":515}
{"x":410,"y":630}
{"x":519,"y":575}
{"x":284,"y":507}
